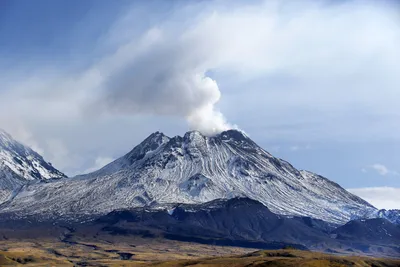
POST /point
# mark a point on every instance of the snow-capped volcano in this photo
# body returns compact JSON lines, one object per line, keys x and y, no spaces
{"x":23,"y":161}
{"x":193,"y":169}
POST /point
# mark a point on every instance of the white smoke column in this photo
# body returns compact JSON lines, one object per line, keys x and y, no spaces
{"x":162,"y":75}
{"x":164,"y":71}
{"x":205,"y":118}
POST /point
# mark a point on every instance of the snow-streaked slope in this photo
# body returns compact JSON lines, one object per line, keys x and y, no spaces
{"x":392,"y":216}
{"x":192,"y":169}
{"x":10,"y":183}
{"x":19,"y":166}
{"x":23,"y":161}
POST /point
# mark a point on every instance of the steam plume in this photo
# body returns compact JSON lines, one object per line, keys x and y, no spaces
{"x":163,"y":77}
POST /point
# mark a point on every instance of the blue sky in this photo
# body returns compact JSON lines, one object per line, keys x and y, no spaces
{"x":315,"y":83}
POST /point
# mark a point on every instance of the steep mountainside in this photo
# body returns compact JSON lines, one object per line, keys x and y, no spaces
{"x":192,"y":169}
{"x":10,"y":183}
{"x":23,"y":161}
{"x":20,"y":165}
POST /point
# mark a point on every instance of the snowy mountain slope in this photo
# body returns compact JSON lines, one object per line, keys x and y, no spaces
{"x":10,"y":183}
{"x":392,"y":216}
{"x":192,"y":169}
{"x":23,"y":161}
{"x":19,"y":166}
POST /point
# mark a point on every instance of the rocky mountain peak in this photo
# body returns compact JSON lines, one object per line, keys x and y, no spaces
{"x":233,"y":134}
{"x":23,"y":161}
{"x":195,"y":168}
{"x":193,"y":135}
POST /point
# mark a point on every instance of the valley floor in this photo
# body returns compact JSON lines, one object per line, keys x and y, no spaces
{"x":161,"y":252}
{"x":138,"y":252}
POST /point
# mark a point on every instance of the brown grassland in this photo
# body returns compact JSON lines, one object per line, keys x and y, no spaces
{"x":161,"y":252}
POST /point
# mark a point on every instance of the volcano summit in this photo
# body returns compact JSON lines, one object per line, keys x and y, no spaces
{"x":192,"y":169}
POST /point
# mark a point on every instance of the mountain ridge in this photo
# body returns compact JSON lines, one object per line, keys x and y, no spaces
{"x":24,"y":161}
{"x":19,"y":166}
{"x":193,"y":168}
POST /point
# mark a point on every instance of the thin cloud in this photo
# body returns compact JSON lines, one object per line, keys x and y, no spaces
{"x":380,"y":169}
{"x":98,"y":164}
{"x":299,"y":147}
{"x":380,"y":197}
